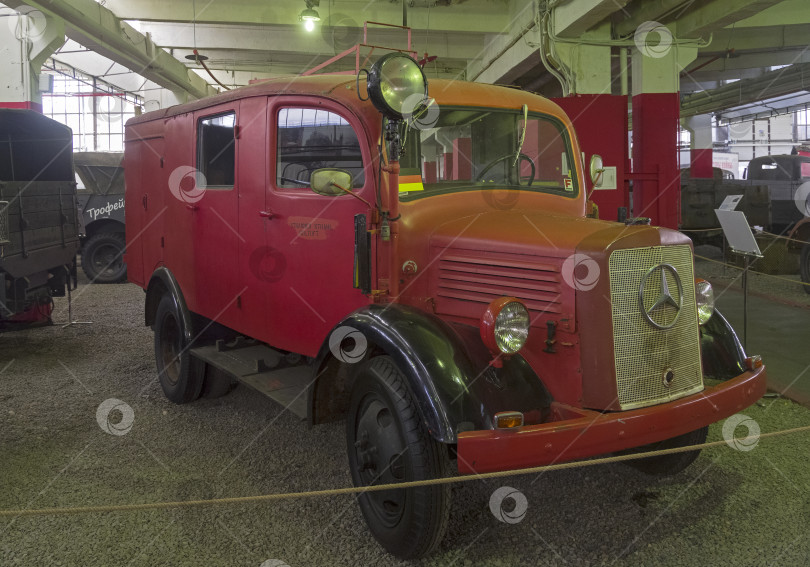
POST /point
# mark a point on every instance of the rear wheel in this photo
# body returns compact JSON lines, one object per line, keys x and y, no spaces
{"x":668,"y":465}
{"x":804,"y":267}
{"x":103,"y":258}
{"x":388,"y":443}
{"x":180,"y":374}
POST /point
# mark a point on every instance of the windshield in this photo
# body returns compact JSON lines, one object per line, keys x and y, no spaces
{"x":476,"y":148}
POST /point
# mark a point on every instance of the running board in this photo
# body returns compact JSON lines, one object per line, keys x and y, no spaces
{"x":283,"y":378}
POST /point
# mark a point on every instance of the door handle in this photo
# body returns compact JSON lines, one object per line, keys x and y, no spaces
{"x":267,"y":214}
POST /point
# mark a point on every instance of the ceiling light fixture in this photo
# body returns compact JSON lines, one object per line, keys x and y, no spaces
{"x":309,"y":16}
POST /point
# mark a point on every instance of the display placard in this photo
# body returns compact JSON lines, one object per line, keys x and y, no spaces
{"x":730,"y":202}
{"x":738,"y":233}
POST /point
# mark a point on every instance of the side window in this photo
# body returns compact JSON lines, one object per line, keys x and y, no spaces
{"x":216,"y":149}
{"x":310,"y":139}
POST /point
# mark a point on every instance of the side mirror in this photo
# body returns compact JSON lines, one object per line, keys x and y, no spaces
{"x":331,"y":182}
{"x":597,"y":168}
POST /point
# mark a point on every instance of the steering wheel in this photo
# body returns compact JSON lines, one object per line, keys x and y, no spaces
{"x":298,"y":181}
{"x":523,"y":157}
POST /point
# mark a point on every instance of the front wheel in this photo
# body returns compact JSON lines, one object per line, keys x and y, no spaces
{"x":180,"y":374}
{"x":388,"y":443}
{"x":668,"y":465}
{"x":804,"y":267}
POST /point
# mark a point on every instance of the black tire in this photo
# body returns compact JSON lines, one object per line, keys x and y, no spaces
{"x":668,"y":465}
{"x":387,"y":442}
{"x":180,"y":374}
{"x":804,"y":267}
{"x":103,"y":258}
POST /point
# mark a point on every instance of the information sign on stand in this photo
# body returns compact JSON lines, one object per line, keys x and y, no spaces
{"x":742,"y":241}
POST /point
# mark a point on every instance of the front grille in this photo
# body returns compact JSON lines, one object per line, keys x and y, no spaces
{"x":464,"y":277}
{"x":4,"y":229}
{"x":644,"y":352}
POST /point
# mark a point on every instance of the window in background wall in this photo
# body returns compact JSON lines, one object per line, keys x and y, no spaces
{"x":802,"y":122}
{"x":72,"y":103}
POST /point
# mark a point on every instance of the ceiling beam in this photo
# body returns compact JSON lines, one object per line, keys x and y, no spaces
{"x":572,"y":19}
{"x":785,"y":81}
{"x":787,"y":12}
{"x":702,"y":19}
{"x":292,"y":39}
{"x":734,"y":67}
{"x":97,"y":28}
{"x":489,"y":16}
{"x":626,"y":21}
{"x":753,"y":40}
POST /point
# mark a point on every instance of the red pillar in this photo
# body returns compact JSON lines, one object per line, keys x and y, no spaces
{"x":462,"y":159}
{"x":655,"y":153}
{"x":701,"y":167}
{"x":429,"y":172}
{"x":600,"y":122}
{"x":447,"y":166}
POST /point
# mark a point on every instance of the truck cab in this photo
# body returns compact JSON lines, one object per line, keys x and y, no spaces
{"x":423,"y":267}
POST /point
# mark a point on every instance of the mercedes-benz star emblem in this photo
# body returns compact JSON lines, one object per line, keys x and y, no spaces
{"x":657,"y":313}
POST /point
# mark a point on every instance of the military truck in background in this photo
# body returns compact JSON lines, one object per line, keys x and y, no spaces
{"x":769,"y":194}
{"x":100,"y":197}
{"x":39,"y":229}
{"x":783,"y":175}
{"x":775,"y":197}
{"x":700,"y":197}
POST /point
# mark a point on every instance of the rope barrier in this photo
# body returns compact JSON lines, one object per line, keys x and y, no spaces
{"x":753,"y":271}
{"x":758,"y":233}
{"x":70,"y":511}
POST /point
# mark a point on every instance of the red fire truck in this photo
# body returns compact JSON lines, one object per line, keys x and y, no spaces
{"x":424,"y":268}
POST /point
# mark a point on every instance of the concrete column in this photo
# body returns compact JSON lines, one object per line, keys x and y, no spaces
{"x":590,"y":65}
{"x":27,"y":38}
{"x":656,"y":65}
{"x":700,"y":126}
{"x":157,"y":98}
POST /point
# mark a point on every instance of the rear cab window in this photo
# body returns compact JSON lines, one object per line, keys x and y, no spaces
{"x":310,"y":139}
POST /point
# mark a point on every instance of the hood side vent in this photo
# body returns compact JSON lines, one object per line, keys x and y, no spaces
{"x":467,"y":282}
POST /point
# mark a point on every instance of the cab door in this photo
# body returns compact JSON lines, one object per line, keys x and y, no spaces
{"x":214,"y":204}
{"x":306,"y":268}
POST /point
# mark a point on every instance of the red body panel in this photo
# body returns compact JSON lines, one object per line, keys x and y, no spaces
{"x":269,"y":276}
{"x":586,"y":433}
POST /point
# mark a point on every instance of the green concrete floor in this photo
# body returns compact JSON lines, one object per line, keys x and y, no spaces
{"x":779,"y":332}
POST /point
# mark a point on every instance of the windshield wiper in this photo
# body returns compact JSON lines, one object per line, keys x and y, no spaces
{"x":522,"y":134}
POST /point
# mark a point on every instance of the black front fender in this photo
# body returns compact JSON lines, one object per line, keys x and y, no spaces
{"x":162,"y":282}
{"x":447,"y":369}
{"x":721,"y":352}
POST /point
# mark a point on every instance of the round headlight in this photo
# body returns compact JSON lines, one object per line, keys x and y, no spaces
{"x":505,"y":325}
{"x":392,"y":81}
{"x":704,"y":295}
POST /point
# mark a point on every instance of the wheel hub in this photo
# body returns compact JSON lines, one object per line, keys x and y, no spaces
{"x":379,"y":451}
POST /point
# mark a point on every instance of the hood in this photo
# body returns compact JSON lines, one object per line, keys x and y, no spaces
{"x":533,"y":233}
